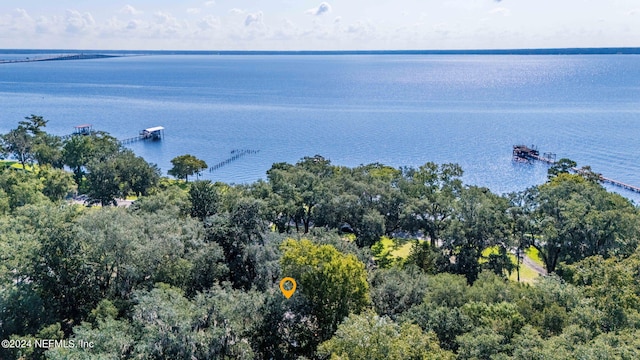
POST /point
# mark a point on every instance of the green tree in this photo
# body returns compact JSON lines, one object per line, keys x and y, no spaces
{"x":21,"y":188}
{"x":205,"y":198}
{"x":431,"y":260}
{"x":172,"y":200}
{"x":481,"y":222}
{"x":165,"y":319}
{"x":111,"y":338}
{"x":447,"y":323}
{"x":235,"y":231}
{"x":186,"y":165}
{"x":135,"y":174}
{"x":299,"y":189}
{"x":562,"y":166}
{"x":522,"y":225}
{"x":47,"y":150}
{"x":60,"y":273}
{"x":126,"y":250}
{"x":369,"y":336}
{"x":103,"y":183}
{"x":334,"y":283}
{"x":34,"y":124}
{"x":57,"y":183}
{"x":502,"y":318}
{"x":364,"y":200}
{"x":432,"y":191}
{"x":76,"y":153}
{"x":579,"y":218}
{"x":394,"y":291}
{"x":18,"y":142}
{"x":612,"y":284}
{"x":229,"y":320}
{"x":4,"y":202}
{"x":482,"y":343}
{"x":79,"y":151}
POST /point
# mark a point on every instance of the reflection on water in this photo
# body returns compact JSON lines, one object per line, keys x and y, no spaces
{"x":397,"y":110}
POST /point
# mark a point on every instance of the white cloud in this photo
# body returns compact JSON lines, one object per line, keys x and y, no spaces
{"x":193,"y":11}
{"x":163,"y":18}
{"x":165,"y":24}
{"x":77,"y":22}
{"x":43,"y":25}
{"x":253,"y":18}
{"x":236,"y":11}
{"x":209,"y":22}
{"x":441,"y":28}
{"x":18,"y":21}
{"x":635,"y":11}
{"x":500,"y":11}
{"x":361,"y":28}
{"x":323,"y":8}
{"x":209,"y":3}
{"x":129,"y":10}
{"x":22,"y":14}
{"x":133,"y":24}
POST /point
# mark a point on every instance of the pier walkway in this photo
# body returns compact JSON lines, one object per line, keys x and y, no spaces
{"x":235,"y":155}
{"x":523,"y":153}
{"x":152,"y":133}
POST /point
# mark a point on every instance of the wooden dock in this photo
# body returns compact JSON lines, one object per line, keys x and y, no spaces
{"x":523,"y":153}
{"x":235,"y":155}
{"x":153,"y":133}
{"x":619,"y":184}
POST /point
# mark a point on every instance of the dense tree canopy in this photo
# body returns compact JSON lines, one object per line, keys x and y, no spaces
{"x":389,"y":263}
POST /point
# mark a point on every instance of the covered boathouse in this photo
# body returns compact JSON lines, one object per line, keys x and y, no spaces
{"x":153,"y":133}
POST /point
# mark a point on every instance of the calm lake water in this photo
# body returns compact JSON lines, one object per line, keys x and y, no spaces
{"x":400,"y":110}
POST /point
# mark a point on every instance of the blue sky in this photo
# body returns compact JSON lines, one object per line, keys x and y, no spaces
{"x":303,"y":25}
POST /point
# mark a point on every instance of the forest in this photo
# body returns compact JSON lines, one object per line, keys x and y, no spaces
{"x":390,"y":263}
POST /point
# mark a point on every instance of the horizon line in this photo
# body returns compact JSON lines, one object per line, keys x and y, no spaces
{"x":497,"y":51}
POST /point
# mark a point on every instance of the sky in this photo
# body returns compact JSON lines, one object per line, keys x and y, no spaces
{"x":318,"y":25}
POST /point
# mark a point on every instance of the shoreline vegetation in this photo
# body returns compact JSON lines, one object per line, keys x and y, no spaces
{"x":390,"y":263}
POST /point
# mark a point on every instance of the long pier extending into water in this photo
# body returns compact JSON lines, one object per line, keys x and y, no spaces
{"x":58,"y":57}
{"x":524,"y":153}
{"x":235,"y":155}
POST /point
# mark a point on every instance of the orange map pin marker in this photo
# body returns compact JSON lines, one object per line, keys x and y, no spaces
{"x":285,"y":292}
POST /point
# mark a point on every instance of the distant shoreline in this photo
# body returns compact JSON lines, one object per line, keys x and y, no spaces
{"x":549,"y":51}
{"x":59,"y":58}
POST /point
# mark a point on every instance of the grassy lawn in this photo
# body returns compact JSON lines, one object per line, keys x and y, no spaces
{"x":395,"y":249}
{"x":401,"y":251}
{"x":7,"y":163}
{"x":15,"y":165}
{"x":527,"y":274}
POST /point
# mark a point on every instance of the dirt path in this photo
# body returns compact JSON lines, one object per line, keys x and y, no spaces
{"x":534,"y":265}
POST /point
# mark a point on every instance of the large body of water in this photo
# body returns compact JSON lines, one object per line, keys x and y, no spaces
{"x":399,"y":110}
